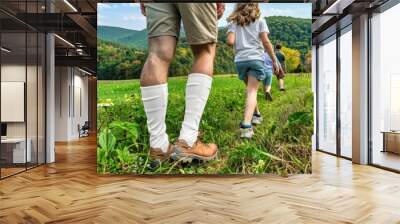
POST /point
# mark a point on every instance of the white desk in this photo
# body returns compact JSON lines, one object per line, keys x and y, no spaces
{"x":18,"y":149}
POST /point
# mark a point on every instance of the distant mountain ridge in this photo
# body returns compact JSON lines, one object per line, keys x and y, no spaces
{"x":127,"y":37}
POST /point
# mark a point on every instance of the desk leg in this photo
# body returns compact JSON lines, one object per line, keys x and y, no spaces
{"x":384,"y":142}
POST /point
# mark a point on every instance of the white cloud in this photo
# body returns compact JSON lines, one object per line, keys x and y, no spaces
{"x":103,"y":6}
{"x":285,"y":12}
{"x":274,"y":11}
{"x":300,"y":10}
{"x":133,"y":17}
{"x":228,"y":10}
{"x":133,"y":5}
{"x":100,"y":19}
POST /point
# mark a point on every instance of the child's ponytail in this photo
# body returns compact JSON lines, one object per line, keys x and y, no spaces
{"x":244,"y":14}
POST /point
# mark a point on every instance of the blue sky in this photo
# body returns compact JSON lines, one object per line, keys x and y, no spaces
{"x":127,"y":15}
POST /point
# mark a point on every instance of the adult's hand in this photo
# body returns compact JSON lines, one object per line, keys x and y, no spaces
{"x":276,"y":67}
{"x":220,"y":10}
{"x":143,"y":9}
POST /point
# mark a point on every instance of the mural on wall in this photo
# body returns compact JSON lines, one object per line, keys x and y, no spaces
{"x":229,"y":95}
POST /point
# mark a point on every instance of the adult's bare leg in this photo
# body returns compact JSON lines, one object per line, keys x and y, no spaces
{"x":153,"y":81}
{"x":203,"y":58}
{"x":161,"y":53}
{"x":198,"y":88}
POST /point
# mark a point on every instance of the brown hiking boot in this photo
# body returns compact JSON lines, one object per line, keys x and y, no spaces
{"x":199,"y":151}
{"x":158,"y":154}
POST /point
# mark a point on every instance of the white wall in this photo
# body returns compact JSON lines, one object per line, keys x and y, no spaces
{"x":81,"y":88}
{"x":12,"y":73}
{"x":13,"y":101}
{"x":62,"y":82}
{"x":17,"y":73}
{"x":70,"y":83}
{"x":33,"y":126}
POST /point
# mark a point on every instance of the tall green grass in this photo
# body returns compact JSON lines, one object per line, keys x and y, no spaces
{"x":281,"y":145}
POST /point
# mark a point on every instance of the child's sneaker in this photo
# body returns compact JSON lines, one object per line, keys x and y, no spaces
{"x":268,"y":96}
{"x":257,"y":119}
{"x":246,"y":130}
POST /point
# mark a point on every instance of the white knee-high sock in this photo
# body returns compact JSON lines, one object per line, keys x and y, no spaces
{"x":197,"y":90}
{"x":155,"y":100}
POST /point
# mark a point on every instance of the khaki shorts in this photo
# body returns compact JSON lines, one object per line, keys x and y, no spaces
{"x":199,"y":21}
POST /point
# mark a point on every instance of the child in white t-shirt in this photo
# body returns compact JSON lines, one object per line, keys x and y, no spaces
{"x":249,"y":36}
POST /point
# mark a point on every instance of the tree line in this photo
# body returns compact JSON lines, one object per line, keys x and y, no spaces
{"x":118,"y":62}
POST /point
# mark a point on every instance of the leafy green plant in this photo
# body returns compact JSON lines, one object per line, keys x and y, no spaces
{"x":105,"y":150}
{"x":126,"y":132}
{"x":126,"y":160}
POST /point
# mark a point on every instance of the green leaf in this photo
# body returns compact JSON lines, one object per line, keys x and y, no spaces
{"x":107,"y":140}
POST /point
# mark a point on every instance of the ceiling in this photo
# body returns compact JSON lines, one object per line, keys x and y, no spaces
{"x":74,"y":22}
{"x":327,"y":13}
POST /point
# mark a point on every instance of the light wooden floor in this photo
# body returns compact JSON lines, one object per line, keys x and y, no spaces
{"x":69,"y":191}
{"x":10,"y":171}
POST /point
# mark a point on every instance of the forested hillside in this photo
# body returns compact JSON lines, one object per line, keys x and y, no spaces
{"x":294,"y":33}
{"x":131,"y":38}
{"x":122,"y":52}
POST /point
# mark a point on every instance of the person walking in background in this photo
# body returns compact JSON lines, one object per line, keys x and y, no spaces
{"x":163,"y":26}
{"x":268,"y":80}
{"x":282,"y":68}
{"x":257,"y":118}
{"x":249,"y":36}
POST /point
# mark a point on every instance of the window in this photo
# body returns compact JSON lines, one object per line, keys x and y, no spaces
{"x":22,"y":77}
{"x":327,"y":95}
{"x":385,"y":89}
{"x":346,"y":74}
